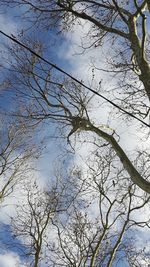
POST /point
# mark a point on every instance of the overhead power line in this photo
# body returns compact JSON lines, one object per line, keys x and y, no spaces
{"x":14,"y":39}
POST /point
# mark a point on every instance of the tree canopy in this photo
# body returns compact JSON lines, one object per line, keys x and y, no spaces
{"x":97,"y":200}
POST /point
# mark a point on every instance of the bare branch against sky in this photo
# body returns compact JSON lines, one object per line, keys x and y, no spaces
{"x":75,"y":151}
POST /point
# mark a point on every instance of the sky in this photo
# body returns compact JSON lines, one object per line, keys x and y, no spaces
{"x":68,"y":55}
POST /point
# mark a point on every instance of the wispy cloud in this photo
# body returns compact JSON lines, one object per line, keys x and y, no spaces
{"x":9,"y":259}
{"x":7,"y":24}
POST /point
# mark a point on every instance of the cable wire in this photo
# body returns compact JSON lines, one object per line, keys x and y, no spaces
{"x":14,"y":39}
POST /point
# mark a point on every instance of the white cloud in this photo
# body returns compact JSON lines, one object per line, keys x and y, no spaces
{"x":10,"y":27}
{"x":73,"y":51}
{"x":81,"y":67}
{"x":7,"y":25}
{"x":10,"y":259}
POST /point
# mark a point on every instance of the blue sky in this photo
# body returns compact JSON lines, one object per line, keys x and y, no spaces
{"x":11,"y":24}
{"x":63,"y":51}
{"x":8,"y":242}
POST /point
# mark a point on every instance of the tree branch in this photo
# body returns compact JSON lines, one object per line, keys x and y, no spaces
{"x":133,"y":173}
{"x":83,"y":15}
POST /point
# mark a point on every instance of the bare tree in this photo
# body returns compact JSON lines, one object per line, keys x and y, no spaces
{"x":33,"y":218}
{"x":101,"y":224}
{"x":123,"y":24}
{"x":88,"y":220}
{"x":55,"y":100}
{"x":32,"y":224}
{"x":65,"y":104}
{"x":14,"y":157}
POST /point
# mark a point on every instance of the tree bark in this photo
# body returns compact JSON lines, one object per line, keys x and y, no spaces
{"x":133,"y":173}
{"x":137,"y":47}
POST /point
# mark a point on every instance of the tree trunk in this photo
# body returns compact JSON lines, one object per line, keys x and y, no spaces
{"x":133,"y":173}
{"x":137,"y":47}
